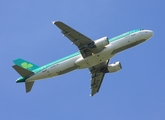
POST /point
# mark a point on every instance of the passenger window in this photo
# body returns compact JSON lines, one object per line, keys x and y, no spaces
{"x":132,"y":34}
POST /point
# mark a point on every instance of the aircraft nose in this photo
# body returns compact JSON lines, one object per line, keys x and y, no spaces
{"x":149,"y":33}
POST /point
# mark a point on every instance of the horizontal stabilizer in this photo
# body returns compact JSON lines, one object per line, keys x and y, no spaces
{"x":28,"y":86}
{"x":22,"y":71}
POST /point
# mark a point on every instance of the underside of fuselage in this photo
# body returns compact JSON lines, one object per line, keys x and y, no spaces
{"x":78,"y":62}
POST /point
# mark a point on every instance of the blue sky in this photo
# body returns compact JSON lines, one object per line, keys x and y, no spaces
{"x":137,"y":92}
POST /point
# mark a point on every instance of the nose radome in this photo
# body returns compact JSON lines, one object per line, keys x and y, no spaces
{"x":149,"y":33}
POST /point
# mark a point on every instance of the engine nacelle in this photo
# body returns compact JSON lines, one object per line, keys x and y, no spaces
{"x":102,"y":42}
{"x":114,"y":67}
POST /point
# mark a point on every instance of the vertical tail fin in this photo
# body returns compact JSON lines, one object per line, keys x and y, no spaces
{"x":24,"y":73}
{"x":25,"y":69}
{"x":25,"y":64}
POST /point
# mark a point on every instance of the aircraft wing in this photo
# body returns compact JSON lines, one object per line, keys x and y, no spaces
{"x":84,"y":44}
{"x":98,"y":72}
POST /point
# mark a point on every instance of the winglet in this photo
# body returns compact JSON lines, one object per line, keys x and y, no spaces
{"x":90,"y":95}
{"x":53,"y":22}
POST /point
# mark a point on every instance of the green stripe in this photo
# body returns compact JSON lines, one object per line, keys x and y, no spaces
{"x":22,"y":79}
{"x":123,"y":35}
{"x":57,"y":61}
{"x":78,"y":53}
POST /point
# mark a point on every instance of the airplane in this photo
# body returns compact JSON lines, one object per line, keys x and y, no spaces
{"x":94,"y":55}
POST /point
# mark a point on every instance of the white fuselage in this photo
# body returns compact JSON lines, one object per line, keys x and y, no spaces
{"x":78,"y":62}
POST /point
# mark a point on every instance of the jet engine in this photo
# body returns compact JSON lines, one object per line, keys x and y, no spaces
{"x":102,"y":42}
{"x":114,"y":67}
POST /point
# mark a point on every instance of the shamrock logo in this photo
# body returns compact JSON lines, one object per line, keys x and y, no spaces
{"x":26,"y":65}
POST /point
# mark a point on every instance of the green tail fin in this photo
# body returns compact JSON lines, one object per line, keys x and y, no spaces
{"x":25,"y":64}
